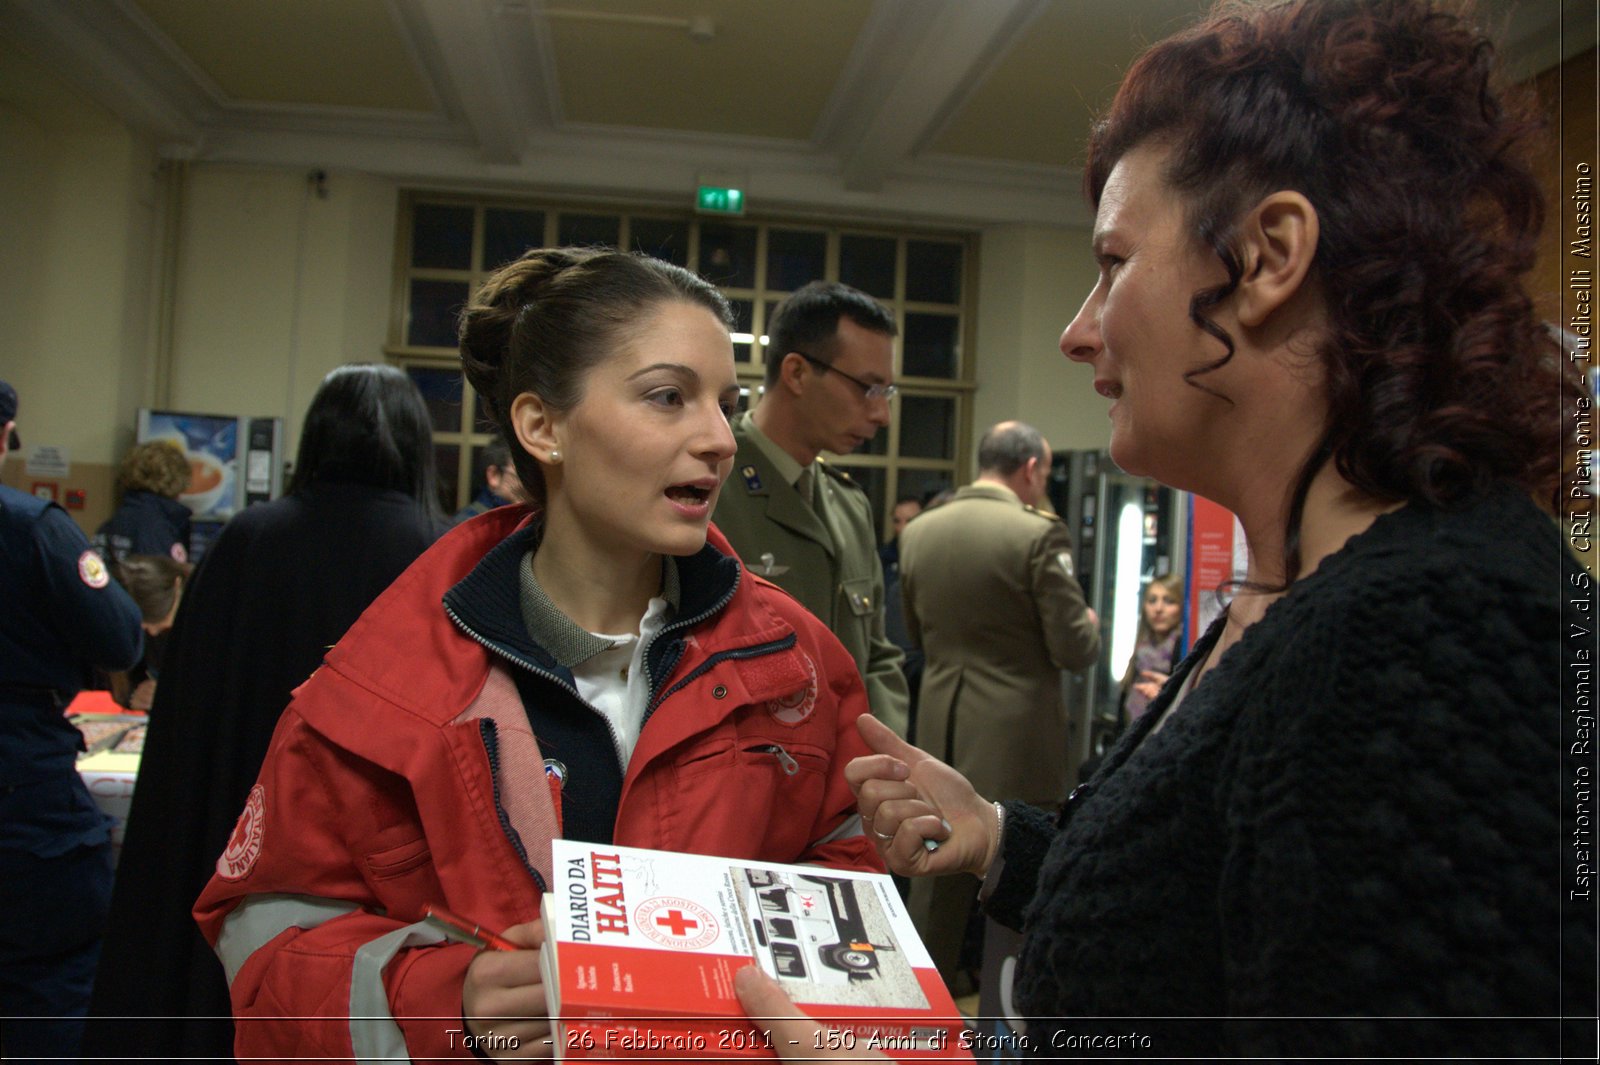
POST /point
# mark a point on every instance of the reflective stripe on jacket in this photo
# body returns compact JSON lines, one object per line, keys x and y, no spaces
{"x":405,"y":772}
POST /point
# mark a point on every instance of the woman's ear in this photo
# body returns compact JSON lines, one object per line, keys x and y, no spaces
{"x":1279,"y":242}
{"x":535,"y":426}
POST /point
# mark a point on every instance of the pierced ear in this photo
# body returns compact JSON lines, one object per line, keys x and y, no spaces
{"x":535,"y":425}
{"x":1279,"y":243}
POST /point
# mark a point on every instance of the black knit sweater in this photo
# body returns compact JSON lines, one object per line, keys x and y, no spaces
{"x":1347,"y":841}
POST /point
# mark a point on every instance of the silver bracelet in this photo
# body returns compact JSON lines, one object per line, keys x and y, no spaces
{"x":1000,"y":829}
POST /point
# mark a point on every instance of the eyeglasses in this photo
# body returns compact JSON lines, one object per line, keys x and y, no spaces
{"x":869,"y":391}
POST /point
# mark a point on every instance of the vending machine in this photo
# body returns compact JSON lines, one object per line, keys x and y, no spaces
{"x":234,"y":460}
{"x":1126,"y":530}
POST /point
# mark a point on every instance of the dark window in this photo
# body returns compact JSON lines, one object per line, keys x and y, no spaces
{"x":663,"y":238}
{"x":441,"y":391}
{"x":933,"y":271}
{"x":928,"y":348}
{"x":589,"y":230}
{"x":508,"y":234}
{"x":794,"y":257}
{"x":441,"y":237}
{"x":927,"y":427}
{"x":728,"y":255}
{"x":868,"y":264}
{"x":434,"y":307}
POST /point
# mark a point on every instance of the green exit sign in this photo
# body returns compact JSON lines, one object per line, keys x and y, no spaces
{"x":719,"y":200}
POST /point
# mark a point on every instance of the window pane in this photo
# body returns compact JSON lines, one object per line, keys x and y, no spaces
{"x":872,"y":478}
{"x":663,"y":238}
{"x":928,"y":427}
{"x":868,"y":264}
{"x":441,"y":237}
{"x":585,"y":230}
{"x":441,"y":390}
{"x":507,"y":234}
{"x":448,"y":456}
{"x":744,"y":312}
{"x":728,"y":255}
{"x":879,"y":444}
{"x":923,"y":484}
{"x":481,"y":422}
{"x":933,"y":271}
{"x":794,"y":257}
{"x":928,"y":348}
{"x":432,"y":311}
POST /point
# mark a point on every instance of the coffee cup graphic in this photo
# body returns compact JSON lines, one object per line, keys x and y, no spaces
{"x":209,"y":481}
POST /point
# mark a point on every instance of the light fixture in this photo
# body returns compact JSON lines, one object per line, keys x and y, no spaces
{"x":701,"y":28}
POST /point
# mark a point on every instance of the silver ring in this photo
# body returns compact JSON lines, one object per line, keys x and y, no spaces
{"x":883,"y":837}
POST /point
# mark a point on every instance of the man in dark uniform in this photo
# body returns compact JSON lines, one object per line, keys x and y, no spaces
{"x":501,"y":484}
{"x":60,"y":614}
{"x":796,"y":520}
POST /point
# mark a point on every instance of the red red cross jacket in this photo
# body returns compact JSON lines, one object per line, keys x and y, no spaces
{"x":406,"y":772}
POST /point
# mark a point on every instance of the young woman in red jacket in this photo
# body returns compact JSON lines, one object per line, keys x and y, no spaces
{"x":596,"y":666}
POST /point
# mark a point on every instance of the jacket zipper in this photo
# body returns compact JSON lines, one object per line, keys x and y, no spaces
{"x":491,"y":746}
{"x":717,"y":659}
{"x":616,"y":740}
{"x":785,"y":759}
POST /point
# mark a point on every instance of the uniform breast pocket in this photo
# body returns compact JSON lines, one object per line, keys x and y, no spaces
{"x":857,"y":597}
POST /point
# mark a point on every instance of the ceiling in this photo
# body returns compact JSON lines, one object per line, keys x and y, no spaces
{"x":961,"y":111}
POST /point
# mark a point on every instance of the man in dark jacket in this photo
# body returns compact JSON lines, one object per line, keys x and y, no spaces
{"x":62,"y":614}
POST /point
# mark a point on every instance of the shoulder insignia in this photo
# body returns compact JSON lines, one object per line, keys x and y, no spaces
{"x":839,"y":475}
{"x":752,"y":478}
{"x":92,"y":569}
{"x":179,"y":553}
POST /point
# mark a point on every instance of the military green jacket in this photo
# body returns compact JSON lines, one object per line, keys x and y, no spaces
{"x":826,"y":558}
{"x":990,"y":598}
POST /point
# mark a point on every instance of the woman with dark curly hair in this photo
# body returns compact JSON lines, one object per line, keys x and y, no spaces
{"x":149,"y":520}
{"x":1338,"y":829}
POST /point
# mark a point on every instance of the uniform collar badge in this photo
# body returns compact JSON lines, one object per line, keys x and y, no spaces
{"x":752,"y":478}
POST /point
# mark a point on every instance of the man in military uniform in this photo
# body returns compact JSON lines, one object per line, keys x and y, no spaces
{"x":60,"y":613}
{"x":793,"y":518}
{"x":990,"y":598}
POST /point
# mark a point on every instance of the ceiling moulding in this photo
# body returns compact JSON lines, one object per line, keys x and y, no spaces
{"x":474,"y":69}
{"x":106,"y":52}
{"x":914,"y":64}
{"x":666,"y":176}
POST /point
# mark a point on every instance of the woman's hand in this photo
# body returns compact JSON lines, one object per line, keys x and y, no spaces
{"x":504,"y":995}
{"x":794,"y":1036}
{"x":1150,"y":683}
{"x":907,"y":796}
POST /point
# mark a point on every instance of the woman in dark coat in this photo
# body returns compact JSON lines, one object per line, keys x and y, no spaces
{"x":1344,"y":828}
{"x":281,"y":584}
{"x":149,"y":520}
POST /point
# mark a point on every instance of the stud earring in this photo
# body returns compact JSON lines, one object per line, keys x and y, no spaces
{"x":555,"y":455}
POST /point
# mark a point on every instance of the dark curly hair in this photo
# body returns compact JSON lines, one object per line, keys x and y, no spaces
{"x":1440,"y":378}
{"x":541,"y":323}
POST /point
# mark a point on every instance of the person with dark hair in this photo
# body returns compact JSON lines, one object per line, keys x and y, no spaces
{"x":149,"y":520}
{"x":991,"y":599}
{"x":791,"y":515}
{"x":60,"y":616}
{"x":1341,"y":830}
{"x":156,"y":583}
{"x":280,"y":585}
{"x":500,"y":484}
{"x":596,"y":667}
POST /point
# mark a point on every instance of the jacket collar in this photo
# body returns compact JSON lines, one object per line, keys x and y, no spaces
{"x":487,"y":604}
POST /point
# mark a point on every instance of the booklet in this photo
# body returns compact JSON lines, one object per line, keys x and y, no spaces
{"x":641,"y":948}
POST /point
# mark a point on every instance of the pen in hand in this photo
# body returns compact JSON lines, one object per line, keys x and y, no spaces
{"x":464,"y":931}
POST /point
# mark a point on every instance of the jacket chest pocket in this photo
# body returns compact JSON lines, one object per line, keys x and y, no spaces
{"x":750,"y":796}
{"x":858,"y":598}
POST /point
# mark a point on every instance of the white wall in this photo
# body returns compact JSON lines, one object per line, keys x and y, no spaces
{"x":277,"y":285}
{"x":1031,"y":281}
{"x":75,"y":243}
